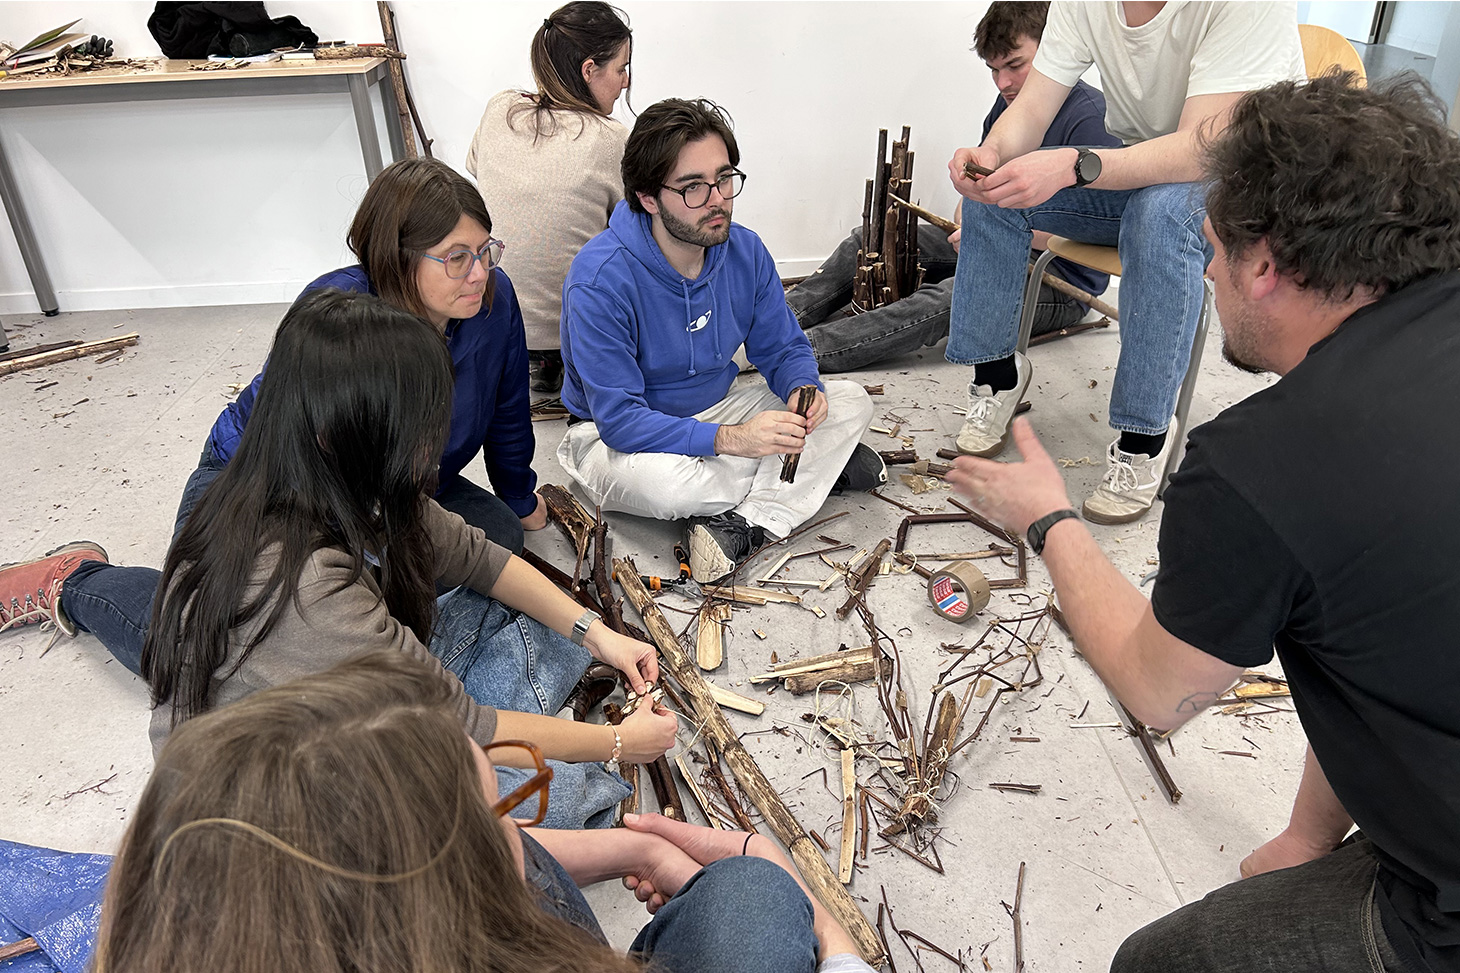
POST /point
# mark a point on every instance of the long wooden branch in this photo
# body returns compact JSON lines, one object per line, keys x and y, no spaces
{"x":67,"y":354}
{"x":814,"y":869}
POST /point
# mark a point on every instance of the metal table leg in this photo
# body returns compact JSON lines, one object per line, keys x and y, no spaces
{"x":30,"y":252}
{"x":365,"y":124}
{"x":393,"y":119}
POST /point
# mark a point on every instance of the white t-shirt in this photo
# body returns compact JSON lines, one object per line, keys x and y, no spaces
{"x":1188,"y":49}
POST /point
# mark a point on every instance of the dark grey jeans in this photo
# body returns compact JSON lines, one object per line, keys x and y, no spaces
{"x":918,"y":320}
{"x":1318,"y":917}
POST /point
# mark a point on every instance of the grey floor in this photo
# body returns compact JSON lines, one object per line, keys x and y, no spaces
{"x":102,"y":451}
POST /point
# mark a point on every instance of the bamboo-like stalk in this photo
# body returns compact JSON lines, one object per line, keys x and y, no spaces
{"x":814,"y":869}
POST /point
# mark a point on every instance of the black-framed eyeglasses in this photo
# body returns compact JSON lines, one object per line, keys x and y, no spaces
{"x":697,"y":194}
{"x":458,"y":263}
{"x":529,"y":756}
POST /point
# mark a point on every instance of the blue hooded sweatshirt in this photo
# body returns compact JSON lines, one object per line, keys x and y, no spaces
{"x":490,"y":402}
{"x":645,"y":348}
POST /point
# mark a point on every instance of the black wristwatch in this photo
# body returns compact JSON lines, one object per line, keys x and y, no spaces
{"x":1041,"y":527}
{"x":1087,"y":167}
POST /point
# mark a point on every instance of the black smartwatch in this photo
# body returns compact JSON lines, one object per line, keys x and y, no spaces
{"x":1087,"y":167}
{"x":1041,"y":527}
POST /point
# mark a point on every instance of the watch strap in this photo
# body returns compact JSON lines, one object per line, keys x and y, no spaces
{"x":584,"y":622}
{"x":1037,"y":530}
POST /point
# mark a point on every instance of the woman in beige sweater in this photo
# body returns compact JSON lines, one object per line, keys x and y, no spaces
{"x":320,"y":540}
{"x":547,"y":164}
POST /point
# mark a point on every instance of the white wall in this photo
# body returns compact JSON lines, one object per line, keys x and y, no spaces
{"x":1418,"y":25}
{"x":223,"y":201}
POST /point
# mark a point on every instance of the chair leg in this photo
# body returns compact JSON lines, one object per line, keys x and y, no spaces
{"x":1188,"y":386}
{"x":1031,"y":300}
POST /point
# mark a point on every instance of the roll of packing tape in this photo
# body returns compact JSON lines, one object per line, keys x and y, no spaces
{"x":958,"y":591}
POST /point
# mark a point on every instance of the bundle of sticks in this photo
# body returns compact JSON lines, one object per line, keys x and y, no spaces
{"x":887,"y":264}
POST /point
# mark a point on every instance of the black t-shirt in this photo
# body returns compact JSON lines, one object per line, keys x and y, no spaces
{"x":1319,"y":517}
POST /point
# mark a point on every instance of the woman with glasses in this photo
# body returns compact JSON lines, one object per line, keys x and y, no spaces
{"x":357,"y":828}
{"x":547,"y":163}
{"x":424,"y":243}
{"x":320,"y":540}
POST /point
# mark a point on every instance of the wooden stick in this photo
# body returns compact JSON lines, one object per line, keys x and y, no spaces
{"x":696,"y":793}
{"x":629,"y":805}
{"x":661,"y":778}
{"x":797,"y":666}
{"x":612,"y":616}
{"x":1018,"y":923}
{"x":1048,"y":336}
{"x":851,"y":672}
{"x":746,"y":595}
{"x":849,"y":816}
{"x":1142,"y":734}
{"x":18,"y":948}
{"x":783,"y":824}
{"x":67,"y":354}
{"x":862,"y":576}
{"x":38,"y":349}
{"x":564,"y":509}
{"x":971,"y":169}
{"x":717,"y":777}
{"x":735,"y":701}
{"x":927,"y":215}
{"x":1084,"y":297}
{"x":710,"y":641}
{"x":805,"y":397}
{"x":397,"y":78}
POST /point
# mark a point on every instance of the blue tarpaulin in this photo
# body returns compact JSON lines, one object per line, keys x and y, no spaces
{"x":54,"y":897}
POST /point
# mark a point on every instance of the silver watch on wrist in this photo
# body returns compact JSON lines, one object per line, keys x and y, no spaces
{"x":584,"y":622}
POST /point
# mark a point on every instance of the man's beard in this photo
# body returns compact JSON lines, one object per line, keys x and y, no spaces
{"x":694,"y":233}
{"x":1239,"y":353}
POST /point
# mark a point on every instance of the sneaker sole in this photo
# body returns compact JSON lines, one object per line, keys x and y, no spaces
{"x":992,"y":451}
{"x":1108,"y":520}
{"x":703,"y":548}
{"x":63,"y":549}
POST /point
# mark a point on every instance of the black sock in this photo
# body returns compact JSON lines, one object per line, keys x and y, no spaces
{"x":1001,"y":375}
{"x":1136,"y":443}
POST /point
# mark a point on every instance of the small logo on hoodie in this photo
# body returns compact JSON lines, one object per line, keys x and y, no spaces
{"x":701,"y":321}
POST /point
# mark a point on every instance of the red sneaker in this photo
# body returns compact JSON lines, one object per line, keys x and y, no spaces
{"x":30,"y":590}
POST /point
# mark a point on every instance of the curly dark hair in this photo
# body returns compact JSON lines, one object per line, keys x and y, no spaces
{"x":1350,"y":187}
{"x":659,"y":135}
{"x":1005,"y":24}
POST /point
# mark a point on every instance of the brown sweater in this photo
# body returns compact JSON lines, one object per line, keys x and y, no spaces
{"x":329,"y":625}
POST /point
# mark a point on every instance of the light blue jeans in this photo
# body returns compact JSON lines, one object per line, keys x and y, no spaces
{"x":508,"y":660}
{"x":1162,"y":253}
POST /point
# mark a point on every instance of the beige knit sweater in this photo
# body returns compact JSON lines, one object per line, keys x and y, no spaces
{"x":546,"y":199}
{"x":334,"y":621}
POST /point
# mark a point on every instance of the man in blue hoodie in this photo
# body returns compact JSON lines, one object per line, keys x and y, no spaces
{"x":654,"y":309}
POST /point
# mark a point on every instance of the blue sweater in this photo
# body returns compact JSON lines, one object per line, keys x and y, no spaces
{"x":490,"y":405}
{"x":1081,"y":122}
{"x":645,"y":348}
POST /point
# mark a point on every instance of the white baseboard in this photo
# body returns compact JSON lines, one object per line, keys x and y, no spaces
{"x":186,"y":295}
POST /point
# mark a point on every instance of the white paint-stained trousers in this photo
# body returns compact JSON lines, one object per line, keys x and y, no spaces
{"x":672,"y":486}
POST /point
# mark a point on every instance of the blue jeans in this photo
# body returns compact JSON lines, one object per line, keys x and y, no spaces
{"x":1163,"y":255}
{"x":508,"y":660}
{"x":478,"y":507}
{"x":114,"y":604}
{"x":736,"y":915}
{"x":917,"y":320}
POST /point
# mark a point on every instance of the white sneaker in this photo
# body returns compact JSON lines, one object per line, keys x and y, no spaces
{"x":1130,"y":484}
{"x":985,"y":431}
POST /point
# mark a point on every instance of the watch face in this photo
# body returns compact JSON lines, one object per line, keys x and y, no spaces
{"x":1087,"y":167}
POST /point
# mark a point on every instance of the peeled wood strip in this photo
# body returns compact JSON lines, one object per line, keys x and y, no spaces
{"x":67,"y":354}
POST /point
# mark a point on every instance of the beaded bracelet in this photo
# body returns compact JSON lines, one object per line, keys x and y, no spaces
{"x":618,"y":745}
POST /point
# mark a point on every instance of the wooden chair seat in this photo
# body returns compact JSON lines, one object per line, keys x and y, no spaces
{"x":1104,"y":259}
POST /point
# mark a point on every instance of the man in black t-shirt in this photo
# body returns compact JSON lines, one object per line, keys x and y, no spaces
{"x":1316,"y":519}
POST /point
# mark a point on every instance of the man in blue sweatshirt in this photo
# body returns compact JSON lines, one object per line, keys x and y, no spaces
{"x":654,"y":309}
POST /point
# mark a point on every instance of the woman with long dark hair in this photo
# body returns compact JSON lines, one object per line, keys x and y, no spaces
{"x":547,"y":163}
{"x":424,"y":243}
{"x":342,"y":822}
{"x":319,"y":539}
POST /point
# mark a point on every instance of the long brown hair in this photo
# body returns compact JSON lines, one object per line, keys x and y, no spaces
{"x":409,"y":208}
{"x":335,"y":823}
{"x":576,"y":32}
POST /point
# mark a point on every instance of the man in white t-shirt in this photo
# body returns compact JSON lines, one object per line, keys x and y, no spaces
{"x":1169,"y":72}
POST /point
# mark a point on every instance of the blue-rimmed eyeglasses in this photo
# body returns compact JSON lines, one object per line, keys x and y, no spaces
{"x":697,"y":194}
{"x":458,"y":263}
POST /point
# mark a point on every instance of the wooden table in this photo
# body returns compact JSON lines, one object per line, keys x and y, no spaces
{"x":175,"y":79}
